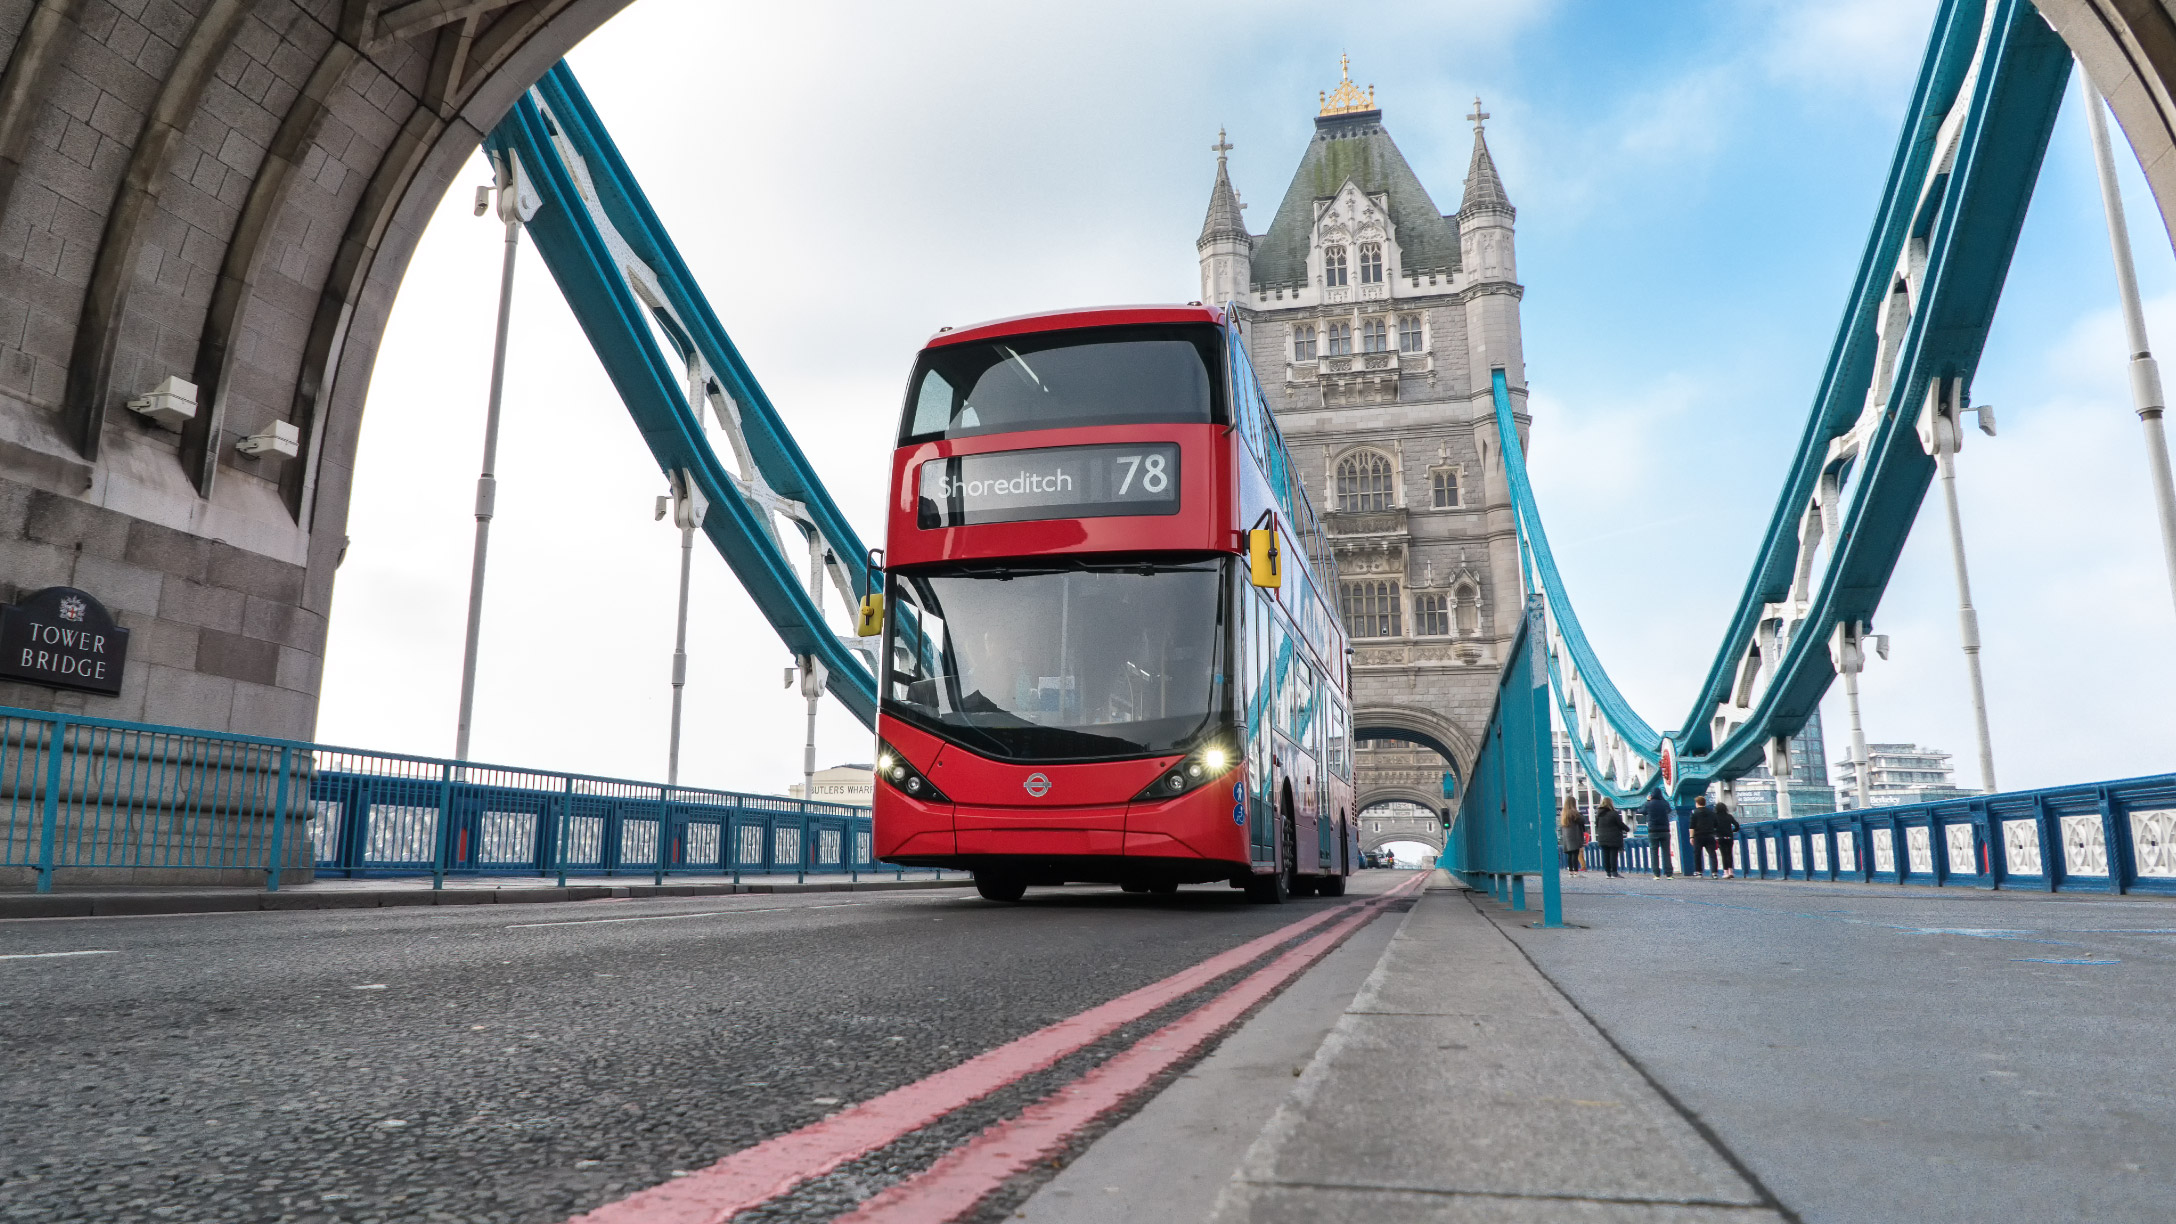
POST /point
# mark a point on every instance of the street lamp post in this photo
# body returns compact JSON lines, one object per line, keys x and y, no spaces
{"x":688,"y":508}
{"x":1941,"y":432}
{"x":1849,"y":652}
{"x":2145,"y":372}
{"x":517,"y":203}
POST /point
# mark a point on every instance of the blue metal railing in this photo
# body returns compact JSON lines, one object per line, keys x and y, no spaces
{"x":2103,"y":837}
{"x":1504,"y":830}
{"x":119,"y":802}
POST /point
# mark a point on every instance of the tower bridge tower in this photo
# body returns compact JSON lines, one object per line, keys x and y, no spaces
{"x":1374,"y":321}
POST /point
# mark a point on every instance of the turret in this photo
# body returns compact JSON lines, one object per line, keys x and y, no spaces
{"x":1227,"y":253}
{"x":1485,"y":217}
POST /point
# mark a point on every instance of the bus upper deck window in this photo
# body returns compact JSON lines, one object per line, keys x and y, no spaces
{"x":1141,"y":374}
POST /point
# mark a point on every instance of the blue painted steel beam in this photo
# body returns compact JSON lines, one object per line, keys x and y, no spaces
{"x":1968,"y":220}
{"x":618,"y":326}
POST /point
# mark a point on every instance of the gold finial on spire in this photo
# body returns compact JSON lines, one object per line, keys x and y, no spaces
{"x":1347,"y":98}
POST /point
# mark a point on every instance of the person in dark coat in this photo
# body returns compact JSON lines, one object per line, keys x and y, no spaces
{"x":1657,"y":810}
{"x":1726,"y":836}
{"x":1609,"y":831}
{"x":1705,"y":861}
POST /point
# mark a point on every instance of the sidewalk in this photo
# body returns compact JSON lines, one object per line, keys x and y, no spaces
{"x":1454,"y":1084}
{"x":463,"y":890}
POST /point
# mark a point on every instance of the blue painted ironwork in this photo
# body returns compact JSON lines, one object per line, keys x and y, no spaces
{"x":634,"y":297}
{"x":1504,"y":828}
{"x":2105,"y":837}
{"x":97,"y":797}
{"x":1973,"y":141}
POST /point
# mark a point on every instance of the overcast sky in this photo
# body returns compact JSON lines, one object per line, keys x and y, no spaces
{"x":1694,"y":184}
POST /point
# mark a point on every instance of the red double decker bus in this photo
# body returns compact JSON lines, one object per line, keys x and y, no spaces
{"x":1106,"y":654}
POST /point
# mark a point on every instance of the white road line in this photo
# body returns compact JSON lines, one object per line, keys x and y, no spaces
{"x":48,"y":955}
{"x":768,"y":909}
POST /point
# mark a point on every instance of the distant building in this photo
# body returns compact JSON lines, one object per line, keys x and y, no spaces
{"x":1897,"y":774}
{"x":1810,"y":792}
{"x":850,"y":784}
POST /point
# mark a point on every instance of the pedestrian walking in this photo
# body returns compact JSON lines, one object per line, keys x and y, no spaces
{"x":1609,"y":831}
{"x":1657,"y":810}
{"x":1705,"y":861}
{"x":1726,"y":837}
{"x":1571,"y":835}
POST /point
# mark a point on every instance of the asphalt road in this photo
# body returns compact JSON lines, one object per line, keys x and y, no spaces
{"x":519,"y":1064}
{"x":1877,"y":1054}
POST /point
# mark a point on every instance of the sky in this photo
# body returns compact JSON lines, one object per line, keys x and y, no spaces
{"x":1695,"y":183}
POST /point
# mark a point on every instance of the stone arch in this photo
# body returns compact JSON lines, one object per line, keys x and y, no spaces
{"x":1415,"y":725}
{"x":1427,"y":831}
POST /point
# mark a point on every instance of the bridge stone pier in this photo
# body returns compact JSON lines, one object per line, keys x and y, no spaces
{"x":226,"y":192}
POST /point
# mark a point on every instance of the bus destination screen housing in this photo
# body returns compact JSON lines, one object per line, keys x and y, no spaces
{"x":1055,"y":482}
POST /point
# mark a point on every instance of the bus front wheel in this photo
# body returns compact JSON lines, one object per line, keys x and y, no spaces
{"x":1330,"y":886}
{"x":1274,"y":888}
{"x":1000,"y":888}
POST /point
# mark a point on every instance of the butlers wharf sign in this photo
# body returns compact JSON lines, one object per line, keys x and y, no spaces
{"x":62,"y":638}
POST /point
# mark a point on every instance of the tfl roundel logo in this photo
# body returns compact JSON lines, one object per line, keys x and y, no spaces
{"x":1037,"y":785}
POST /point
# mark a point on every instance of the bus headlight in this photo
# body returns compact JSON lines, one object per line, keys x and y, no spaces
{"x":904,"y":778}
{"x":1198,"y":768}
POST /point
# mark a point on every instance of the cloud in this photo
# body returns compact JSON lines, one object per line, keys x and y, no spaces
{"x":1868,"y":50}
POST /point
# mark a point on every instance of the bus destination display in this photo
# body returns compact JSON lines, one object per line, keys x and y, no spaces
{"x":1052,"y":483}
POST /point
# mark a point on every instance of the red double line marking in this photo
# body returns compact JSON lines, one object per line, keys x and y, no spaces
{"x":968,"y":1173}
{"x":756,"y":1175}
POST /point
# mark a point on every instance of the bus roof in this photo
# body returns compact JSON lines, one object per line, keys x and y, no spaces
{"x":1061,"y":320}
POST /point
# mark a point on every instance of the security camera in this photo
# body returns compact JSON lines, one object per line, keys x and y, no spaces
{"x":664,"y":506}
{"x":1881,"y":645}
{"x":1987,"y":419}
{"x":483,"y":200}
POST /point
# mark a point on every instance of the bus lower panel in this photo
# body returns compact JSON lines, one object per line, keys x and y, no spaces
{"x":1086,"y":868}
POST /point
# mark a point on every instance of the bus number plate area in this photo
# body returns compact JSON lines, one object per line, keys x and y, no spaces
{"x":1056,"y":482}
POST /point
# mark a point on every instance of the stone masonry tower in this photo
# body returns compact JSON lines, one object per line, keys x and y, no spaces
{"x":1374,"y":321}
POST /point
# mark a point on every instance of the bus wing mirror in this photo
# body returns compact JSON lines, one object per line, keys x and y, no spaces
{"x":1265,"y":563}
{"x":872,"y":615}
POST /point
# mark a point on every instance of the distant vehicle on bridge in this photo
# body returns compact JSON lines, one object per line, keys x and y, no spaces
{"x":1107,"y":657}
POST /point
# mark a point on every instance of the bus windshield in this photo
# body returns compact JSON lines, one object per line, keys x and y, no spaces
{"x":1062,"y":661}
{"x":1146,"y":374}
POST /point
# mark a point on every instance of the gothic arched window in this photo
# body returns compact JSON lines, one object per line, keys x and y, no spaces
{"x":1303,"y":342}
{"x":1445,"y":482}
{"x":1374,"y":336}
{"x":1363,"y":481}
{"x":1370,"y":608}
{"x":1333,"y":267}
{"x":1340,"y":339}
{"x":1371,"y":263}
{"x":1432,"y":615}
{"x":1409,"y":337}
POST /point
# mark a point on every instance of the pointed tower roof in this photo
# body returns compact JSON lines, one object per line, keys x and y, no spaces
{"x":1484,"y":188}
{"x":1350,"y":145}
{"x":1224,"y":219}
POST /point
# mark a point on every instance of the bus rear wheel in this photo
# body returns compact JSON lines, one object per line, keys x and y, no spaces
{"x":1000,"y":888}
{"x":1330,"y":886}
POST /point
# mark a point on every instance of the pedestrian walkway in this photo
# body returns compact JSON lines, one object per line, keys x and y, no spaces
{"x":1689,"y":1051}
{"x":1456,"y":1083}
